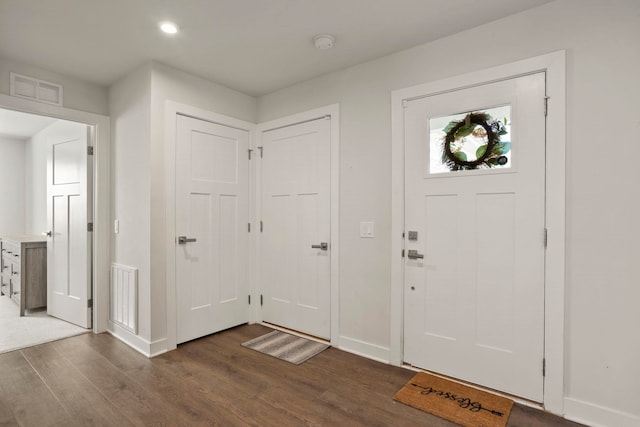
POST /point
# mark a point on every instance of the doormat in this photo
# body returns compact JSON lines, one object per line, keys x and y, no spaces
{"x":455,"y":402}
{"x":286,"y":347}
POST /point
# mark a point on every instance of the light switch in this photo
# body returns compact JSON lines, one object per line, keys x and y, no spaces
{"x":366,"y":229}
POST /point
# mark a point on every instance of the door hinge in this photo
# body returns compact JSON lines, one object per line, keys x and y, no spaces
{"x":544,"y":367}
{"x":260,"y":148}
{"x":546,"y":105}
{"x":90,"y":150}
{"x":249,"y":227}
{"x":261,"y":227}
{"x":403,"y":253}
{"x":249,"y":299}
{"x":89,"y":226}
{"x":261,"y":300}
{"x":546,"y":238}
{"x":250,"y":150}
{"x":90,"y":303}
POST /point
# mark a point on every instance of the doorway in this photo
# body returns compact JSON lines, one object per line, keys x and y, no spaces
{"x":98,"y":208}
{"x":553,"y":65}
{"x":40,"y":152}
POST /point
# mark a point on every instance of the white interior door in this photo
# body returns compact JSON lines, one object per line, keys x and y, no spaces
{"x":212,"y":186}
{"x":474,"y":305}
{"x":295,"y":242}
{"x":68,"y":206}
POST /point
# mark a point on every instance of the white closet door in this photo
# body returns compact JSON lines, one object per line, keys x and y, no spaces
{"x":295,"y":242}
{"x":211,"y":222}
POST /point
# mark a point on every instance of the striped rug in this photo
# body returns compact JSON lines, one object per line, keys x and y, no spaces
{"x":286,"y":347}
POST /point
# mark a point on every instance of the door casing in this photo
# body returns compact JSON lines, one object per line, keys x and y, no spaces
{"x":553,"y":65}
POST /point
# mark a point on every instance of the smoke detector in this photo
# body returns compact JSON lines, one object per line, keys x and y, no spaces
{"x":324,"y":41}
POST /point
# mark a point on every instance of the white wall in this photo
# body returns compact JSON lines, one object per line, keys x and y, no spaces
{"x":77,"y":94}
{"x":603,"y":65}
{"x":12,"y":175}
{"x":129,"y":108}
{"x":603,"y":62}
{"x":170,"y":84}
{"x":35,"y":169}
{"x":137,"y":105}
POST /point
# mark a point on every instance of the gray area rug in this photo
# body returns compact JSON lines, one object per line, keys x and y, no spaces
{"x":35,"y":328}
{"x":286,"y":347}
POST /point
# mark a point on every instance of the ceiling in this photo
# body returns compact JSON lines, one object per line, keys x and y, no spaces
{"x":253,"y":46}
{"x":18,"y":125}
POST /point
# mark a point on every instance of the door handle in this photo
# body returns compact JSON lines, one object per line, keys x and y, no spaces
{"x":322,"y":246}
{"x":184,"y":239}
{"x":47,"y":233}
{"x":413,"y":254}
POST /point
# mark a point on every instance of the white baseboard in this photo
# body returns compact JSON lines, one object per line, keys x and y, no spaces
{"x":596,"y":415}
{"x":364,"y":349}
{"x":141,"y":345}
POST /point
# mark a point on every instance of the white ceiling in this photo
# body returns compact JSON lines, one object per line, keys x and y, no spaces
{"x":254,"y":46}
{"x":17,"y":125}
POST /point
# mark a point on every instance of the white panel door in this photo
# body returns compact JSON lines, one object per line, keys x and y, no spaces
{"x":474,"y":305}
{"x":212,"y":186}
{"x":295,"y":242}
{"x":69,"y":242}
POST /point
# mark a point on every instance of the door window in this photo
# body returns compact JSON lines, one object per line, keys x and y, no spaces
{"x":473,"y":140}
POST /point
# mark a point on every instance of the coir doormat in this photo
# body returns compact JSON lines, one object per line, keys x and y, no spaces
{"x":455,"y":402}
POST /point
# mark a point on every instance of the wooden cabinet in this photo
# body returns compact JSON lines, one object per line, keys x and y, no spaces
{"x":24,"y":270}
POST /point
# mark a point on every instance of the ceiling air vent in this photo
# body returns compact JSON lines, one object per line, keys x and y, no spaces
{"x":35,"y":89}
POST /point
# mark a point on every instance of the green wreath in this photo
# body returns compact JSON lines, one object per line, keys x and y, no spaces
{"x":489,"y":155}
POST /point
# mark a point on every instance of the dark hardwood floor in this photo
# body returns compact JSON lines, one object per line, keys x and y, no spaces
{"x":97,"y":380}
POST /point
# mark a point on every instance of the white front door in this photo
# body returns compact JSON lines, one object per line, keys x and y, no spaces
{"x":69,"y":242}
{"x":212,"y":186}
{"x":295,"y":242}
{"x":474,"y":304}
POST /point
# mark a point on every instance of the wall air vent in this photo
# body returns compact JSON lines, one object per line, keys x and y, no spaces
{"x":124,"y":297}
{"x":35,"y":89}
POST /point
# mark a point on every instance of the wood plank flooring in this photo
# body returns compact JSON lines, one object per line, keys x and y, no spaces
{"x":96,"y":380}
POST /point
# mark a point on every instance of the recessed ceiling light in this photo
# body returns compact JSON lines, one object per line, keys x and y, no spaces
{"x":324,"y":41}
{"x":168,"y":27}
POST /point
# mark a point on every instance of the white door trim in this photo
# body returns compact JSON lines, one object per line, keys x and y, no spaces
{"x":554,"y":66}
{"x":101,"y":222}
{"x":171,"y":111}
{"x":334,"y":112}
